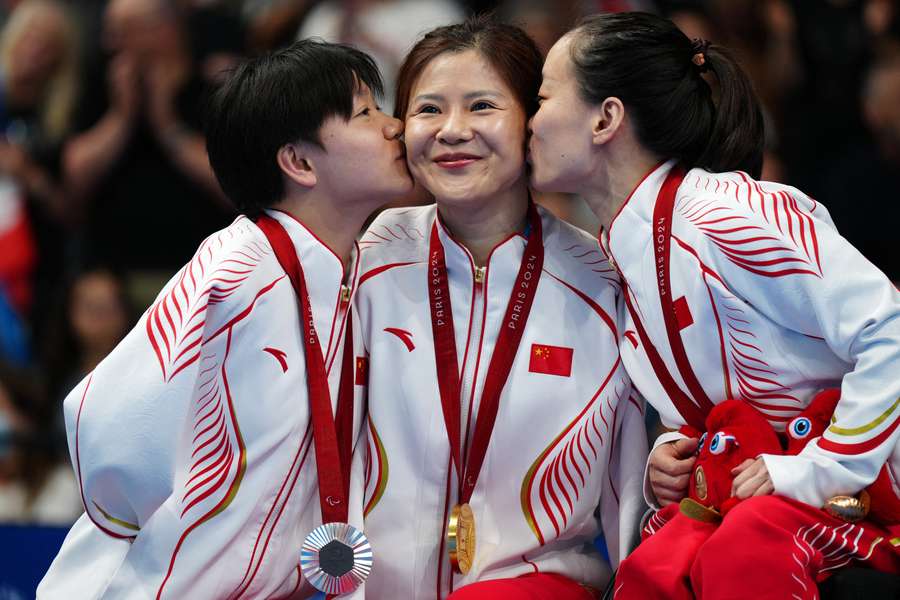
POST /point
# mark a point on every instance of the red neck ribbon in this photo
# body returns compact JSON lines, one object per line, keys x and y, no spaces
{"x":511,"y":329}
{"x":694,"y":410}
{"x":332,"y":436}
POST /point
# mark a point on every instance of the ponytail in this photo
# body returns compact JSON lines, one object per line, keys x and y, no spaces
{"x":738,"y":134}
{"x":656,"y":71}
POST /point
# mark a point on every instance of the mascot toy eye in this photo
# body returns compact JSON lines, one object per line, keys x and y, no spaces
{"x":799,"y":428}
{"x":701,"y":443}
{"x":721,"y":442}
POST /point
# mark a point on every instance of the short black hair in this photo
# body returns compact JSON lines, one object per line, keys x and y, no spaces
{"x":277,"y":99}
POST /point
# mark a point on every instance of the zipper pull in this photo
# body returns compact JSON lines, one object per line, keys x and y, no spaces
{"x":479,"y":274}
{"x":345,"y":293}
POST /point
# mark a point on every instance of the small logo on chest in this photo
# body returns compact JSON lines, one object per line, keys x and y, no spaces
{"x":280,"y":355}
{"x":404,"y":336}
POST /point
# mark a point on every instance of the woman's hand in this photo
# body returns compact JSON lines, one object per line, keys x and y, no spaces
{"x":670,"y":469}
{"x":751,"y":478}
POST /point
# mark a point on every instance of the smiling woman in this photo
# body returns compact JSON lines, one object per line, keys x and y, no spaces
{"x":502,"y":416}
{"x":466,"y":96}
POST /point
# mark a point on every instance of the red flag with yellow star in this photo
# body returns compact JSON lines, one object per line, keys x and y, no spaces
{"x":550,"y":360}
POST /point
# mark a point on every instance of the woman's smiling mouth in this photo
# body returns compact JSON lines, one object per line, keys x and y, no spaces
{"x":455,"y":160}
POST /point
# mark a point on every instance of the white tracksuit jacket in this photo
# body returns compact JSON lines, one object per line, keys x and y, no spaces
{"x":774,"y":305}
{"x":568,"y":448}
{"x":192,"y":440}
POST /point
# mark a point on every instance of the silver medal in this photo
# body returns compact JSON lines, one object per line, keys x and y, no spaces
{"x":336,"y":558}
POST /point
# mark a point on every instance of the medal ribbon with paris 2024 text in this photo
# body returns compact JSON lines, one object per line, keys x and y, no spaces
{"x":511,"y":329}
{"x":693,"y":410}
{"x":332,"y":436}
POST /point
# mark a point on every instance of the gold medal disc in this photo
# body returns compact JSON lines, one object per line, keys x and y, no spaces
{"x":461,"y":538}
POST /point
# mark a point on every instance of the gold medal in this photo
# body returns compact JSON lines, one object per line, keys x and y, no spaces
{"x":461,"y":538}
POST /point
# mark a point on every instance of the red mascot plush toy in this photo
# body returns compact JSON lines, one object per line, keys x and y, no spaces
{"x":661,"y":565}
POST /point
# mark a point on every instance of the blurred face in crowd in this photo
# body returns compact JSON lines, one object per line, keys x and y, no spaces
{"x":465,"y":131}
{"x":560,"y":148}
{"x":882,"y":107}
{"x":363,"y":159}
{"x":98,"y":318}
{"x":140,"y":27}
{"x":36,"y":51}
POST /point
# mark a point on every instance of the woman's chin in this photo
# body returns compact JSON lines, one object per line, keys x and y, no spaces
{"x":538,"y":182}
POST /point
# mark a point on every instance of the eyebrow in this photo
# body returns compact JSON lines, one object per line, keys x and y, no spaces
{"x":470,"y":95}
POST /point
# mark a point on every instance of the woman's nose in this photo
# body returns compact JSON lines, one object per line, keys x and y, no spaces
{"x":454,"y":129}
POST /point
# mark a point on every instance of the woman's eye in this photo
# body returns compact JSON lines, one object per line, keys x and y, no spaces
{"x":540,"y":99}
{"x":428,"y":110}
{"x":482,"y":106}
{"x":364,"y":112}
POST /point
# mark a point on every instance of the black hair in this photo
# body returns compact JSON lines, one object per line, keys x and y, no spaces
{"x":647,"y":62}
{"x":277,"y":99}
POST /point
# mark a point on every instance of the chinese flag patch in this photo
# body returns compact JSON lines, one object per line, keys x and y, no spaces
{"x":362,"y":370}
{"x":550,"y":360}
{"x":682,"y":313}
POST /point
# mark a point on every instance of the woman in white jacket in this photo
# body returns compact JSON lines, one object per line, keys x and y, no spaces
{"x":735,"y":288}
{"x":498,"y":403}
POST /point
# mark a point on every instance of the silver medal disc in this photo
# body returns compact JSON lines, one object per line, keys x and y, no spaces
{"x":336,"y":558}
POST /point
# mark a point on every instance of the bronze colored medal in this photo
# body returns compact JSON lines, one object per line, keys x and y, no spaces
{"x":461,"y":538}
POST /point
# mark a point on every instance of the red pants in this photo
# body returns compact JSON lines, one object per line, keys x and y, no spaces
{"x":534,"y":586}
{"x":766,"y":547}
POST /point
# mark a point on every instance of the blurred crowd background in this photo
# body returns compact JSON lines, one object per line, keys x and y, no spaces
{"x":105,"y":187}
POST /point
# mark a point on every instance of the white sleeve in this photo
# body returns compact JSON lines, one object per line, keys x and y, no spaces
{"x":621,"y":501}
{"x":242,"y":498}
{"x":813,"y":281}
{"x":207,"y":471}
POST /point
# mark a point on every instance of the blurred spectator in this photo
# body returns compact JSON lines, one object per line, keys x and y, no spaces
{"x":386,"y":29}
{"x":216,"y":35}
{"x":862,"y":187}
{"x":94,"y":316}
{"x":273,"y":23}
{"x":15,"y":348}
{"x":835,"y":47}
{"x":38,"y":84}
{"x":544,"y":21}
{"x":763,"y":34}
{"x":140,"y":164}
{"x":35,"y":485}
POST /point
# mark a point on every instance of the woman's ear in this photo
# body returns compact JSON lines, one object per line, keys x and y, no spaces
{"x":293,"y":160}
{"x":607,"y":120}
